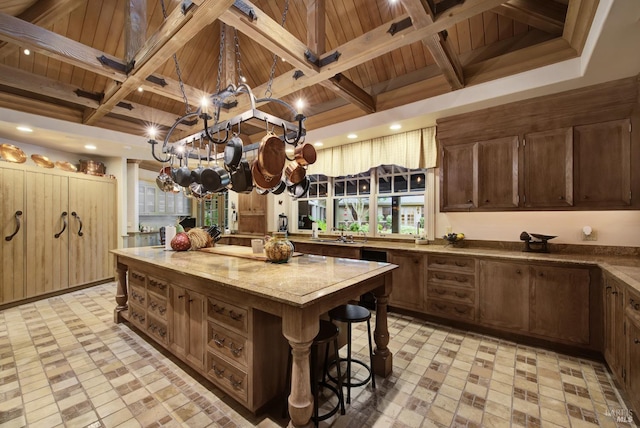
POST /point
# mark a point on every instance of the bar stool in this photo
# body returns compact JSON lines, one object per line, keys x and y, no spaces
{"x":327,"y":334}
{"x":353,"y":314}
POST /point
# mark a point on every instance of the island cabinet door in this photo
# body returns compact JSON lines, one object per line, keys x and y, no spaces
{"x":179,"y":338}
{"x":560,"y":303}
{"x":197,"y":326}
{"x":504,"y":295}
{"x":633,"y":360}
{"x":614,"y":330}
{"x":408,"y":280}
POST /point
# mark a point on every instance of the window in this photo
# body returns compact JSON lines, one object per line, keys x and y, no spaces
{"x":313,"y":208}
{"x":351,"y":202}
{"x":400,"y":200}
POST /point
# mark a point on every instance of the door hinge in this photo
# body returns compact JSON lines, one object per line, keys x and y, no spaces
{"x":624,"y":373}
{"x":629,"y":127}
{"x":524,"y":142}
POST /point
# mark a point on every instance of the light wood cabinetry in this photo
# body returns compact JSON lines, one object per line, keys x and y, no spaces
{"x":346,"y":251}
{"x":632,"y":363}
{"x":498,"y":173}
{"x":153,"y":201}
{"x":451,"y":287}
{"x":504,"y":295}
{"x":67,"y":227}
{"x":553,"y":288}
{"x":408,"y":280}
{"x":602,"y":172}
{"x":240,"y":349}
{"x":252,"y":210}
{"x":548,"y":168}
{"x":12,"y":241}
{"x":614,"y":328}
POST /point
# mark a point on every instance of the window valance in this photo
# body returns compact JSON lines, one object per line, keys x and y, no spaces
{"x":411,"y":149}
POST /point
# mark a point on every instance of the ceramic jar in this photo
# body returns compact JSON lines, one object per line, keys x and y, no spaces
{"x":278,"y":248}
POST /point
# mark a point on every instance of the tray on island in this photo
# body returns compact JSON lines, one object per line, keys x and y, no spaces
{"x":238,"y":251}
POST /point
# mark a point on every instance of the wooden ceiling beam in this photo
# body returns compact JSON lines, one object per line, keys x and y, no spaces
{"x":351,"y":92}
{"x":580,"y":15}
{"x":440,"y":48}
{"x":545,"y":15}
{"x":43,"y":13}
{"x":171,"y":36}
{"x":135,"y":27}
{"x":48,"y":43}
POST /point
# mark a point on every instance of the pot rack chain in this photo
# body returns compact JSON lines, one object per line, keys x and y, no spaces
{"x":268,"y":93}
{"x":220,"y":56}
{"x":187,"y":107}
{"x":241,"y":78}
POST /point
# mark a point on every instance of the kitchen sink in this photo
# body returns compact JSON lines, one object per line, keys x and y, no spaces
{"x":335,"y":241}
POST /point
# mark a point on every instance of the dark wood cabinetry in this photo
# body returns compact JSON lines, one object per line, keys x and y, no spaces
{"x":458,"y":183}
{"x":602,"y":173}
{"x":504,"y":295}
{"x":633,"y":358}
{"x":451,"y":287}
{"x":548,"y":168}
{"x":498,"y":173}
{"x":614,"y":328}
{"x":408,"y":280}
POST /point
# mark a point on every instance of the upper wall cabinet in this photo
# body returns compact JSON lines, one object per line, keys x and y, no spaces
{"x":577,"y":150}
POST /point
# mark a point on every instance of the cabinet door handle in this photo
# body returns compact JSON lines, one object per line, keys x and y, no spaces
{"x":440,"y":276}
{"x":235,"y":316}
{"x":17,"y":216}
{"x":461,"y":295}
{"x":518,"y":271}
{"x":64,"y":224}
{"x":217,"y":308}
{"x":561,"y":198}
{"x":461,"y":264}
{"x":441,"y":307}
{"x":235,"y":383}
{"x":608,"y":288}
{"x":181,"y":296}
{"x":460,"y":311}
{"x":77,"y":217}
{"x":440,"y":291}
{"x":217,"y":371}
{"x":615,"y":293}
{"x":235,"y":351}
{"x":461,"y":279}
{"x":218,"y":341}
{"x":440,"y":262}
{"x":636,"y":341}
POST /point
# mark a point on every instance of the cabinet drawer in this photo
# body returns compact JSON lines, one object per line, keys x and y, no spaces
{"x":227,"y":314}
{"x":228,"y":377}
{"x":231,"y":345}
{"x":452,"y":263}
{"x":157,"y":306}
{"x":451,"y":278}
{"x":137,"y":278}
{"x":447,"y":309}
{"x":158,"y":286}
{"x":157,"y":329}
{"x":137,"y":295}
{"x":462,"y":295}
{"x":137,"y":316}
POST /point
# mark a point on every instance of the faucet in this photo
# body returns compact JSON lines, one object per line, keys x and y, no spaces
{"x":363,"y":233}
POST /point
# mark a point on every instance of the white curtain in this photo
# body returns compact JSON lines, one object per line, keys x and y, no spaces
{"x":412,"y":149}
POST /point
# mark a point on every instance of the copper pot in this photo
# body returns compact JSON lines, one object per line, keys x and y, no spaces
{"x":92,"y":167}
{"x":294,"y":173}
{"x":305,"y":154}
{"x":271,"y":156}
{"x":260,"y":179}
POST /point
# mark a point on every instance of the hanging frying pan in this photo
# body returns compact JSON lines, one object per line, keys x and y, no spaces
{"x":271,"y":156}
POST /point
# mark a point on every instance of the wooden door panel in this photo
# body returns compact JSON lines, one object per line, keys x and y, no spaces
{"x":548,"y":168}
{"x":458,"y":184}
{"x":12,"y":253}
{"x":498,"y":173}
{"x":179,"y":327}
{"x":409,"y":287}
{"x":197,"y":324}
{"x":504,"y":295}
{"x":47,"y":259}
{"x":560,"y":303}
{"x":602,"y":168}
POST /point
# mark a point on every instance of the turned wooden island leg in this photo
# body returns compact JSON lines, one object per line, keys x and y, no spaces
{"x":121,"y":291}
{"x":300,"y":326}
{"x":382,"y":357}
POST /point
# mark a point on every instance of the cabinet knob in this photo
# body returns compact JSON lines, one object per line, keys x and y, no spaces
{"x":615,"y":293}
{"x":561,"y":197}
{"x":585,"y":197}
{"x":486,"y":201}
{"x":469,"y":201}
{"x":636,"y":341}
{"x":518,"y":271}
{"x":181,"y":296}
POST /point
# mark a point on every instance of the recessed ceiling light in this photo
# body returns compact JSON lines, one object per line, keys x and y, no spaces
{"x":318,"y":144}
{"x":395,"y":126}
{"x":26,"y":52}
{"x":140,"y":89}
{"x":352,"y":136}
{"x":24,"y":128}
{"x":90,"y":147}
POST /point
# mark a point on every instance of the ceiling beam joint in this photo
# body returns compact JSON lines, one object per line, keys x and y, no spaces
{"x":157,"y":80}
{"x":245,"y":9}
{"x":116,"y":65}
{"x":396,"y":27}
{"x":313,"y":58}
{"x":96,"y":96}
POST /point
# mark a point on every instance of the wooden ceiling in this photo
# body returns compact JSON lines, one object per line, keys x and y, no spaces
{"x":389,"y":53}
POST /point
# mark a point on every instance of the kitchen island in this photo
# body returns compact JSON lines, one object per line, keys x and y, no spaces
{"x":223,"y":315}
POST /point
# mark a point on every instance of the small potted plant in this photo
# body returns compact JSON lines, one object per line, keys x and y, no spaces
{"x":455,"y":239}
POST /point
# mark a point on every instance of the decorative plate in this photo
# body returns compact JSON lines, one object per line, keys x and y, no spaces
{"x":42,"y":161}
{"x":11,"y":153}
{"x":66,"y":166}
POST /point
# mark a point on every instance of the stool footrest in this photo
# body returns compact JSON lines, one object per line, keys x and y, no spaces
{"x":337,"y":407}
{"x":350,"y":382}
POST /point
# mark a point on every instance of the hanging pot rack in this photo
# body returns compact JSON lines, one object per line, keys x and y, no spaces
{"x":293,"y":132}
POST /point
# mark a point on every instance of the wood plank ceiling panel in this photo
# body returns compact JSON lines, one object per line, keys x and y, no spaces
{"x":15,"y":7}
{"x":104,"y":39}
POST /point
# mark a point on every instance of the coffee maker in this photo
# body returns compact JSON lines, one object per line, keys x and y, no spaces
{"x":283,"y":223}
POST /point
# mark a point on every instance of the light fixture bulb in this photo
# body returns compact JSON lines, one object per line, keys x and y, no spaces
{"x":352,"y":136}
{"x":140,"y":89}
{"x":318,"y":144}
{"x":395,"y":126}
{"x":204,"y":102}
{"x":90,"y":147}
{"x":243,"y":79}
{"x":27,"y":52}
{"x":300,"y":104}
{"x":152,"y":131}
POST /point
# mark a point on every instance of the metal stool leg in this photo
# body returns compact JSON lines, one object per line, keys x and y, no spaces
{"x":348,"y":363}
{"x":373,"y":376}
{"x":337,"y":358}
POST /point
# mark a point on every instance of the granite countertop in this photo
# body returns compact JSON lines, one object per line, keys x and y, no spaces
{"x":299,"y":282}
{"x":624,"y":267}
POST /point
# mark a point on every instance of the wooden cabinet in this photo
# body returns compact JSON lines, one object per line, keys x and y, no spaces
{"x":548,"y":168}
{"x":614,"y":328}
{"x":153,"y":201}
{"x":187,"y":325}
{"x":67,"y":227}
{"x":504,"y":295}
{"x":498,"y":173}
{"x":252,"y":210}
{"x":560,"y":301}
{"x":458,"y":184}
{"x":451,"y":287}
{"x":408,"y":280}
{"x":602,"y":171}
{"x":13,"y":239}
{"x":632,"y":363}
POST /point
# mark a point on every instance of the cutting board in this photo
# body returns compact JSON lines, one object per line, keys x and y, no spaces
{"x":238,"y":251}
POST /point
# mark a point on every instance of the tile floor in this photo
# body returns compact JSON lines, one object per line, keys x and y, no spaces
{"x":63,"y":362}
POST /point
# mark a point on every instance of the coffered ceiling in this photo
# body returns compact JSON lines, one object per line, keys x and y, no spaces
{"x":118,"y":64}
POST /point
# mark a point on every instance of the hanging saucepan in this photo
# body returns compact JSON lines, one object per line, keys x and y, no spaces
{"x":294,"y":173}
{"x":261,"y":191}
{"x":183,"y":175}
{"x":215,"y":178}
{"x":299,"y":190}
{"x":259,"y":177}
{"x":305,"y":154}
{"x":233,"y":153}
{"x":174,"y":170}
{"x":271,"y":156}
{"x":197,"y":190}
{"x":281,"y":187}
{"x":196,"y":173}
{"x":241,"y":178}
{"x":163,"y":180}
